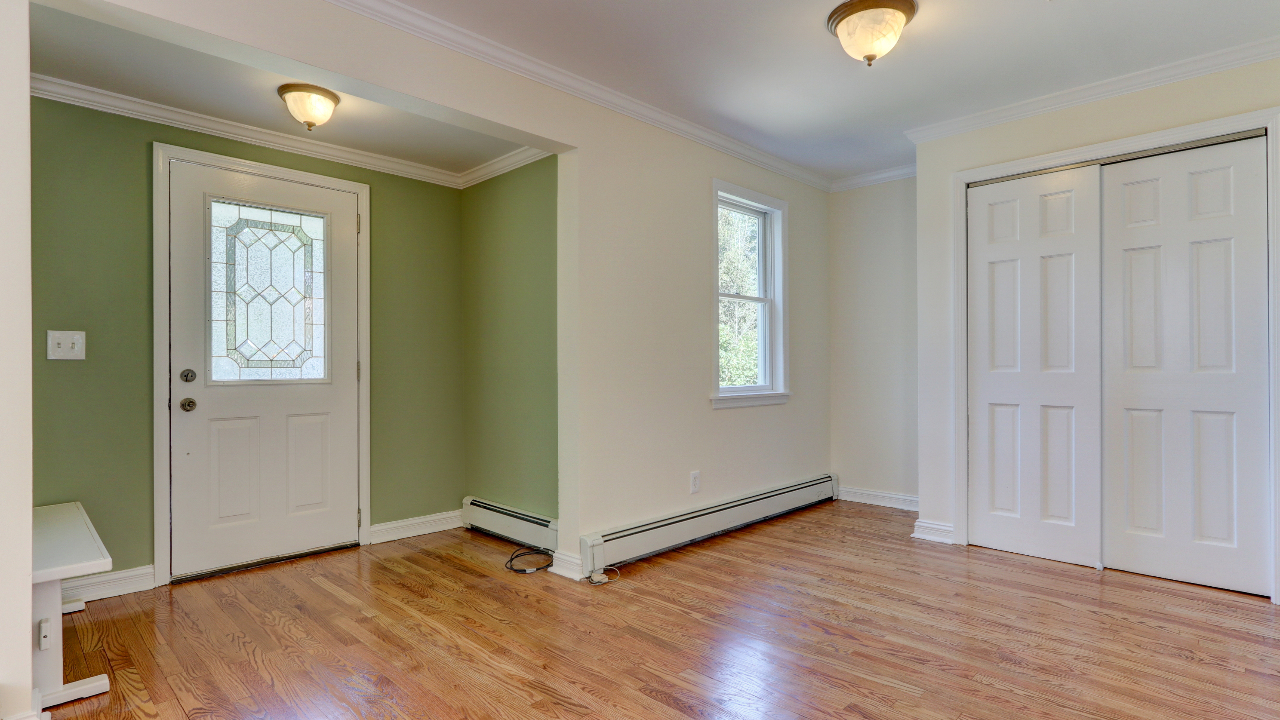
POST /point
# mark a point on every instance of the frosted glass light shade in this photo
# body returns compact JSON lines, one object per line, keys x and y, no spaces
{"x":871,"y":34}
{"x":309,"y":104}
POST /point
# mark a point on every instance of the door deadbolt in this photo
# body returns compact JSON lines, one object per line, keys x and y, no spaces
{"x":187,"y":404}
{"x":188,"y":375}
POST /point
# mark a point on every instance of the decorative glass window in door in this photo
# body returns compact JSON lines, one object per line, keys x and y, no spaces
{"x":268,"y":307}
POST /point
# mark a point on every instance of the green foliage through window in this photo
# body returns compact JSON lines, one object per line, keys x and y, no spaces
{"x":743,"y":318}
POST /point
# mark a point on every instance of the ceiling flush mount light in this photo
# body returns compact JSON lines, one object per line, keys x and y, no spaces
{"x":868,"y":29}
{"x":310,"y":105}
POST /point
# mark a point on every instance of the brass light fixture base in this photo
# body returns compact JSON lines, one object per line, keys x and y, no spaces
{"x":853,"y":7}
{"x":304,"y":87}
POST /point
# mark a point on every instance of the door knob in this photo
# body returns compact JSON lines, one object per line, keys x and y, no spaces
{"x":188,"y":375}
{"x":187,"y":404}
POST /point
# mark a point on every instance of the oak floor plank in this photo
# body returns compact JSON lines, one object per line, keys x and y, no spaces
{"x":75,"y":665}
{"x":831,"y":613}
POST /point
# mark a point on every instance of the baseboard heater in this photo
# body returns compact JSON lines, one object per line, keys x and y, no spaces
{"x":633,"y":542}
{"x":509,"y":523}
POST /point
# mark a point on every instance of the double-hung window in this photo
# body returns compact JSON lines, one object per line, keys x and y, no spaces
{"x":751,"y":340}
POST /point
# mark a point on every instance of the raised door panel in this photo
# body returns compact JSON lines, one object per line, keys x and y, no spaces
{"x":1006,"y":326}
{"x":308,"y":462}
{"x":234,"y":478}
{"x":1058,"y":464}
{"x":1057,"y":309}
{"x":1213,"y":305}
{"x":1006,"y":465}
{"x":1143,"y":306}
{"x":1214,"y":474}
{"x":1144,"y":471}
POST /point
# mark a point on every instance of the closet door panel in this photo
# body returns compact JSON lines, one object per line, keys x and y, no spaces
{"x":1035,"y":366}
{"x":1185,"y":370}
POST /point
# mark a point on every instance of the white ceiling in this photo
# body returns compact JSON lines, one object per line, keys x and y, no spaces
{"x":82,"y":51}
{"x":767,"y":72}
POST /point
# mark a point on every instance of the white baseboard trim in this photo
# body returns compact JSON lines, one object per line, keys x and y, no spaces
{"x":883,"y":499}
{"x":934,"y":532}
{"x":567,"y":565}
{"x":107,"y":584}
{"x":401,"y":529}
{"x":34,"y":713}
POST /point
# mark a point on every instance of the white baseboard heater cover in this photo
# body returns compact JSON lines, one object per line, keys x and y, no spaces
{"x":632,"y":542}
{"x":511,"y":523}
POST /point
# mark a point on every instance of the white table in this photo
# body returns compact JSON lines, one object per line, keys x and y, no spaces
{"x":65,"y":546}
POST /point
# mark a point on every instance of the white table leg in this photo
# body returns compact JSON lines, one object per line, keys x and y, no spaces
{"x":46,"y":664}
{"x":87,"y":687}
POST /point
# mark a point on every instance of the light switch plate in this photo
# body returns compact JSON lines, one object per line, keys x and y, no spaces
{"x":66,"y":345}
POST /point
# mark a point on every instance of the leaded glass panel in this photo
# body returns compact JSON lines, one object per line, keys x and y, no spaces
{"x":267,"y":312}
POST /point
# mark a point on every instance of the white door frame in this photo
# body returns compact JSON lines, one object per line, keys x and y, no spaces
{"x":1268,"y":119}
{"x":161,"y":155}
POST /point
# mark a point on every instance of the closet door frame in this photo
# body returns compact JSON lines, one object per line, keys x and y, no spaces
{"x":1268,"y":120}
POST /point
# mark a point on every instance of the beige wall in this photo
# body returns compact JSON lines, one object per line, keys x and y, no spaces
{"x":16,"y":631}
{"x":637,"y":244}
{"x":873,"y":337}
{"x":1253,"y":87}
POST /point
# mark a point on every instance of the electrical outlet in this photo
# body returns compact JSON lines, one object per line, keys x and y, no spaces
{"x":66,"y":345}
{"x":695,"y":481}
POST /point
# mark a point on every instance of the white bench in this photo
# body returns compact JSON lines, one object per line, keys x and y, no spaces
{"x":65,"y":546}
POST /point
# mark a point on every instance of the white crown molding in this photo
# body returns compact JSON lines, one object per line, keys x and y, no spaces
{"x":883,"y":499}
{"x":429,"y":27}
{"x":498,"y":166}
{"x":79,"y":590}
{"x":1259,"y":51}
{"x":409,"y":527}
{"x":68,"y":92}
{"x":935,"y":532}
{"x":874,"y":178}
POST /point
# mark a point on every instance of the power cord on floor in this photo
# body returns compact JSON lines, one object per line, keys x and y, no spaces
{"x":527,"y":552}
{"x":602,"y":577}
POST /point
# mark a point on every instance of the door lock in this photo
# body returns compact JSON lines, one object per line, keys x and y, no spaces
{"x":188,"y":375}
{"x":187,"y":404}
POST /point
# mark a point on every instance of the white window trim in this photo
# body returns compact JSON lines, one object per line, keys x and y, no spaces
{"x":777,"y":391}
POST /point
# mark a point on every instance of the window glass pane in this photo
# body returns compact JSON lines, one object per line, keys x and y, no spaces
{"x":741,"y":340}
{"x":267,"y":310}
{"x":739,"y":253}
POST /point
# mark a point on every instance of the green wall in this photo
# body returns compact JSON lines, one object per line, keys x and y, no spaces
{"x":91,"y":268}
{"x":509,"y":266}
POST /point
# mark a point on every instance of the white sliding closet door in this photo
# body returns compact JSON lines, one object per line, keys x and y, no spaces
{"x":1186,"y":366}
{"x":1035,"y":366}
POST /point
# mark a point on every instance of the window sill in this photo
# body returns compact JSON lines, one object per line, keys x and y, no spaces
{"x":721,"y":402}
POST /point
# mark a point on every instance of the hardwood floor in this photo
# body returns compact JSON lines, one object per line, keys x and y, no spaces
{"x":830,"y":612}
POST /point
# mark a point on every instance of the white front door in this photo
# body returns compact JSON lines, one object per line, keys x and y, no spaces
{"x":1186,"y":366}
{"x":1034,"y":366}
{"x":263,"y":384}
